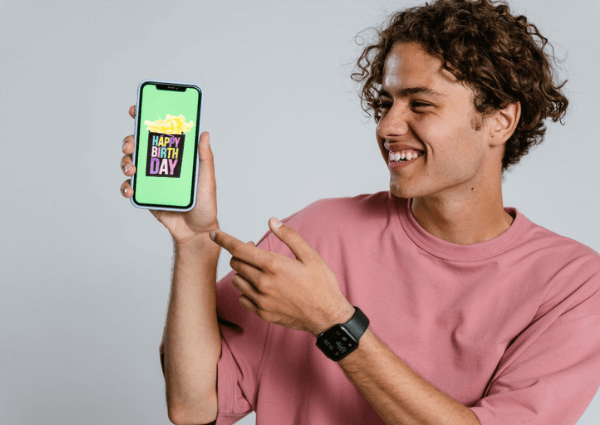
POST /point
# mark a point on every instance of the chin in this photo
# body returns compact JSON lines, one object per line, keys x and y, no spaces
{"x":400,"y":191}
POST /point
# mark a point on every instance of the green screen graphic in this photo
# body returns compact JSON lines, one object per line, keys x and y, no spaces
{"x":166,"y":154}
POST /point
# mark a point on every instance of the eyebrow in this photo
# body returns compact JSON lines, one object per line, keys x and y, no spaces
{"x":413,"y":90}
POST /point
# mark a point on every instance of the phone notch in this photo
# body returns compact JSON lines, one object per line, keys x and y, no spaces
{"x":168,"y":87}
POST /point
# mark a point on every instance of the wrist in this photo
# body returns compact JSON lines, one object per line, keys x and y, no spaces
{"x":343,"y":338}
{"x":198,"y":242}
{"x":345,"y":313}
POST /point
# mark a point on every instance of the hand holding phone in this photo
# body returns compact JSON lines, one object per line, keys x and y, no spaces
{"x":185,"y":227}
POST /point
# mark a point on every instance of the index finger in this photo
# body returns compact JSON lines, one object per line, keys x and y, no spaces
{"x":249,"y":254}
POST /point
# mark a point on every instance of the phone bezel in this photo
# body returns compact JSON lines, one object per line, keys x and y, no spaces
{"x":198,"y":130}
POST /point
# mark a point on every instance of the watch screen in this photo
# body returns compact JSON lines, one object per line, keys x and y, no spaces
{"x":337,"y":342}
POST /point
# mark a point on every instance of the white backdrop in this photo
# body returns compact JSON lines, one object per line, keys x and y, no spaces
{"x":85,"y":276}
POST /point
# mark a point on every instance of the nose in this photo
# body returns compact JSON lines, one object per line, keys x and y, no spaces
{"x":395,"y":123}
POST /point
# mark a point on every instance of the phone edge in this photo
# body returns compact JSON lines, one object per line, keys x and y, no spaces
{"x":197,"y":147}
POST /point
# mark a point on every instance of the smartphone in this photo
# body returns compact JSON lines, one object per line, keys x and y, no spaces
{"x":168,"y":119}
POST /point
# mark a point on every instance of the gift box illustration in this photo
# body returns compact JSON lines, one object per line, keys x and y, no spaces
{"x":166,"y":139}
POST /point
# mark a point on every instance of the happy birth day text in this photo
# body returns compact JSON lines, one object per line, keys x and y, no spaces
{"x":164,"y":154}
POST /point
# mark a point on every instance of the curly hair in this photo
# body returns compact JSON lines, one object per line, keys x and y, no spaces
{"x":489,"y":50}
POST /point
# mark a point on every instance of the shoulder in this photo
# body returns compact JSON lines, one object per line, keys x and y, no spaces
{"x":573,"y":270}
{"x":563,"y":250}
{"x":341,"y":210}
{"x":325,"y":220}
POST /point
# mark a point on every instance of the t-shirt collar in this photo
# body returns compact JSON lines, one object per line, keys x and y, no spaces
{"x":456,"y":252}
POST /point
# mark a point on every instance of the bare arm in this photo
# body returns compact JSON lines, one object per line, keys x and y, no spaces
{"x":191,"y":343}
{"x":396,"y":392}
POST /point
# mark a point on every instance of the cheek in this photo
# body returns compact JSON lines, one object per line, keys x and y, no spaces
{"x":432,"y":134}
{"x":444,"y":137}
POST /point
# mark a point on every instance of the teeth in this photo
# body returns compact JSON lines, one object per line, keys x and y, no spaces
{"x":402,"y":156}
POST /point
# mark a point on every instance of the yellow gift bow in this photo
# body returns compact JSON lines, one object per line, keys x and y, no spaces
{"x":171,"y":125}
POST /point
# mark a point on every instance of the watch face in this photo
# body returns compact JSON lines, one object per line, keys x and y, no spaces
{"x":337,"y":342}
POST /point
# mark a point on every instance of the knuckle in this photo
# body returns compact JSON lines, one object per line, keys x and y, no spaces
{"x":270,"y":264}
{"x":262,"y":284}
{"x":263,"y":314}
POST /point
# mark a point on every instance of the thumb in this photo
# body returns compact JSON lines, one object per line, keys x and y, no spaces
{"x":301,"y":249}
{"x":206,"y":173}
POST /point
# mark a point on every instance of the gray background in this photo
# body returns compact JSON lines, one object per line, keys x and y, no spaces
{"x":85,"y":276}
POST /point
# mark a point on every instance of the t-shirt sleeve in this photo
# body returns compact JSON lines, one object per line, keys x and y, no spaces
{"x":550,"y":376}
{"x":243,"y":340}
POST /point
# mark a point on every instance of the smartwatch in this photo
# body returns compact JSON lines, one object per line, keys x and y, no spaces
{"x":342,"y":339}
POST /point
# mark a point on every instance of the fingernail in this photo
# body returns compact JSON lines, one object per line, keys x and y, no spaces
{"x":124,"y":143}
{"x":125,"y":190}
{"x":212,"y":235}
{"x":127,"y":167}
{"x":276,"y":223}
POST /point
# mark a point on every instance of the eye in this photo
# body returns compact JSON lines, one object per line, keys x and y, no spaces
{"x":384,"y":105}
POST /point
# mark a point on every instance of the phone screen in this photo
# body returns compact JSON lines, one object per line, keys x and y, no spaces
{"x":168,"y":121}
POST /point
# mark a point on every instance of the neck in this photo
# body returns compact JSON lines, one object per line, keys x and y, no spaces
{"x":465,"y":217}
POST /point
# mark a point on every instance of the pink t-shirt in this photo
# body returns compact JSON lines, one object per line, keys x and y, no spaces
{"x":509,"y":327}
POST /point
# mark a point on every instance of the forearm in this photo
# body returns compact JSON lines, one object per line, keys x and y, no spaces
{"x":397,"y":393}
{"x":191,"y":340}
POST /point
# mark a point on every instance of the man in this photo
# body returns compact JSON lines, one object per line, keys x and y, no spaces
{"x":465,"y":311}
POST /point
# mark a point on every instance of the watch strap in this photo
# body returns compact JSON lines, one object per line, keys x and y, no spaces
{"x":358,"y":324}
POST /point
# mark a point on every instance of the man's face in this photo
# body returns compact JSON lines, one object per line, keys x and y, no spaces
{"x":440,"y":125}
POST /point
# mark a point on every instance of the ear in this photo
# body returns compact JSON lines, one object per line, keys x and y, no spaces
{"x":504,"y":123}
